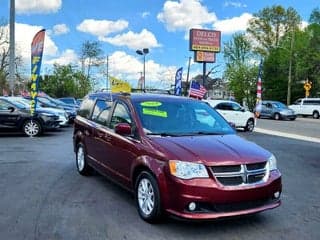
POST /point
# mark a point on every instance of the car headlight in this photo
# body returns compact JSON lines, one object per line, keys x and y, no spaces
{"x":272,"y":161}
{"x":187,"y":170}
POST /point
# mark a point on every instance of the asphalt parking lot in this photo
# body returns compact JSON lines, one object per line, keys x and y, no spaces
{"x":43,"y":197}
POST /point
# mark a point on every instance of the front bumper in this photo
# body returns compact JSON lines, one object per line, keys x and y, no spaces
{"x":214,"y":201}
{"x":289,"y":116}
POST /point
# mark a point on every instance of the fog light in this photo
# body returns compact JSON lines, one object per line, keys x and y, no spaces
{"x":192,"y":206}
{"x":276,"y":194}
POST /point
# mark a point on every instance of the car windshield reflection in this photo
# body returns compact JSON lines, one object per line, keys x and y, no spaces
{"x":180,"y":118}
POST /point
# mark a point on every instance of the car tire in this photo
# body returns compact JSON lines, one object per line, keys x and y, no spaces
{"x":249,"y":126}
{"x":315,"y":114}
{"x":32,"y":127}
{"x":147,"y":197}
{"x":276,"y":116}
{"x":81,"y":161}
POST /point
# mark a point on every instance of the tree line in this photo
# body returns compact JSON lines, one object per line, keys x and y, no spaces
{"x":290,"y":55}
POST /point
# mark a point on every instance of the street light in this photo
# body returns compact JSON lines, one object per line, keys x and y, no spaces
{"x":143,"y":52}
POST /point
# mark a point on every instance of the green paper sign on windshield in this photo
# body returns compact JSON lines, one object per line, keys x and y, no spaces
{"x":154,"y":112}
{"x":151,"y":104}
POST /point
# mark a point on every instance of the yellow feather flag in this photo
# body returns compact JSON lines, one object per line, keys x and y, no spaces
{"x":118,"y":85}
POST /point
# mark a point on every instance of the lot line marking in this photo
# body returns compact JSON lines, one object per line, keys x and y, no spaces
{"x":287,"y":135}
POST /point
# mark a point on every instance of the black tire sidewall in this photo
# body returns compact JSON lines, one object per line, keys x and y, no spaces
{"x":248,"y":123}
{"x":155,"y":215}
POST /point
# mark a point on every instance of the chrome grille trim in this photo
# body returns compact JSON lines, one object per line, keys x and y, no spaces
{"x":250,"y":174}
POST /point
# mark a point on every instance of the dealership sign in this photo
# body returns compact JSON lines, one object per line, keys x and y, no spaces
{"x":201,"y":56}
{"x":205,"y":40}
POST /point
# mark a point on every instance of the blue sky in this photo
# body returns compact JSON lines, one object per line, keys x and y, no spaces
{"x":123,"y":26}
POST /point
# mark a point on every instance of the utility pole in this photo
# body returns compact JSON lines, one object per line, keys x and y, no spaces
{"x":107,"y":83}
{"x":187,"y":81}
{"x":12,"y":47}
{"x":290,"y":69}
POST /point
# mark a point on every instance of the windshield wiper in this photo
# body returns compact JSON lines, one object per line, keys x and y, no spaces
{"x":164,"y":134}
{"x":208,"y":133}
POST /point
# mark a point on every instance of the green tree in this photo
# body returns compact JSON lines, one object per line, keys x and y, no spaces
{"x":304,"y":56}
{"x":269,"y":24}
{"x":240,"y":73}
{"x":65,"y":81}
{"x":315,"y":16}
{"x":90,"y":55}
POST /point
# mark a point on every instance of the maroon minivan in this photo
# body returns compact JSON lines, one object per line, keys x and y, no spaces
{"x":177,"y":155}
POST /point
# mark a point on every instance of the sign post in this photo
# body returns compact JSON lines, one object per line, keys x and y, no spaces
{"x":204,"y":43}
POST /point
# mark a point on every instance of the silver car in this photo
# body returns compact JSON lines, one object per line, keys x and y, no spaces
{"x":276,"y":110}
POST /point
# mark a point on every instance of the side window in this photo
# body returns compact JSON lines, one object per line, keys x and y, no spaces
{"x":101,"y":111}
{"x":297,"y":102}
{"x":228,"y":106}
{"x":4,"y":106}
{"x":219,"y":106}
{"x":223,"y":106}
{"x":86,"y":107}
{"x":120,"y":115}
{"x":235,"y":107}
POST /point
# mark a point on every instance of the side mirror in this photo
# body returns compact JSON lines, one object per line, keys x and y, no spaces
{"x":123,"y":129}
{"x":11,"y":109}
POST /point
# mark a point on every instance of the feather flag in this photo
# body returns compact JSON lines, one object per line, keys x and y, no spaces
{"x":36,"y":59}
{"x":178,"y":82}
{"x":259,"y":92}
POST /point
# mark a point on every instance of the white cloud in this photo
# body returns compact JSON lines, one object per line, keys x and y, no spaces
{"x":24,"y":35}
{"x":130,"y":67}
{"x":303,"y":25}
{"x":67,"y":57}
{"x":233,"y":25}
{"x":235,"y":4}
{"x":37,"y":6}
{"x":185,"y":14}
{"x":144,"y":39}
{"x":101,"y":28}
{"x":60,"y":29}
{"x":145,"y":14}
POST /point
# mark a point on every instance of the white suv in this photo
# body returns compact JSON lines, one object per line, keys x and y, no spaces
{"x":307,"y":107}
{"x":233,"y":112}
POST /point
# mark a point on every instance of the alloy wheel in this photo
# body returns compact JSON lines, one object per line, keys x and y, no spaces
{"x":146,"y":197}
{"x":32,"y":128}
{"x":80,"y":159}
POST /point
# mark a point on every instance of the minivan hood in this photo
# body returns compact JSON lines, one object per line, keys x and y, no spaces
{"x":212,"y":149}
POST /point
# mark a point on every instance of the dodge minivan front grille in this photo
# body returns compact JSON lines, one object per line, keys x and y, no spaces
{"x":244,"y":174}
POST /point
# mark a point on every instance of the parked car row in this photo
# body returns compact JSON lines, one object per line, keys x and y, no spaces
{"x":15,"y":115}
{"x":237,"y":116}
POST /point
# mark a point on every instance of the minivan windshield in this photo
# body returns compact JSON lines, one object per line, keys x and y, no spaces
{"x":173,"y":117}
{"x":279,"y":105}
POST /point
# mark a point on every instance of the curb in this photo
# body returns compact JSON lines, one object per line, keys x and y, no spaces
{"x":287,"y":135}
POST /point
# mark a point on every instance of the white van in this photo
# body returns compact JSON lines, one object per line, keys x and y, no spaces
{"x":307,"y":107}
